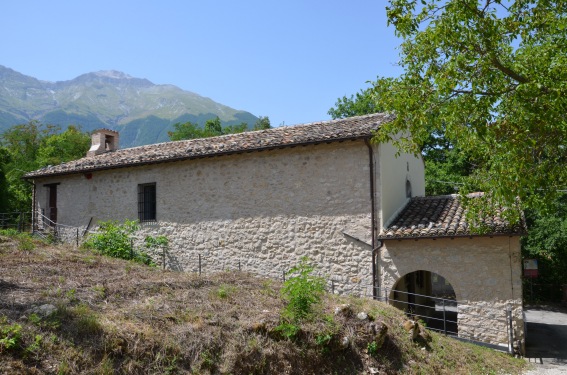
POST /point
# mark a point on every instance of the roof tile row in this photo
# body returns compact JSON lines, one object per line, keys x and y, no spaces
{"x":443,"y":216}
{"x":285,"y":136}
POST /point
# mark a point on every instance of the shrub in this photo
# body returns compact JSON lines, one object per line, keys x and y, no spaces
{"x":115,"y":240}
{"x":302,"y":291}
{"x":10,"y":335}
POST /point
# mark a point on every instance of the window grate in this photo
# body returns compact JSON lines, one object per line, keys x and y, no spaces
{"x":147,"y":202}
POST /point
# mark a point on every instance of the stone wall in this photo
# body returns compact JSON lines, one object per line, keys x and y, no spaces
{"x":262,"y":210}
{"x":484,"y":272}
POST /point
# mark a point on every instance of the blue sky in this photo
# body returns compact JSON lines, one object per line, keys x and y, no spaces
{"x":289,"y":60}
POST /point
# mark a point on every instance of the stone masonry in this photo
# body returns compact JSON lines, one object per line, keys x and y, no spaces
{"x":261,"y":210}
{"x":485,"y":273}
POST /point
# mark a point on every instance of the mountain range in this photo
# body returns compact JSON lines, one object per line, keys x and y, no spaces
{"x":141,"y":111}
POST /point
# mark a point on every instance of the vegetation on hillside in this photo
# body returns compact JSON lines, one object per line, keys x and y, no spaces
{"x":69,"y":311}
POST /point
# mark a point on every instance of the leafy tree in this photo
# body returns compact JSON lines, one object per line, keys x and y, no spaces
{"x":491,"y":77}
{"x":213,"y":127}
{"x":262,"y":123}
{"x":4,"y":160}
{"x":361,"y":104}
{"x":58,"y":148}
{"x":233,"y":129}
{"x":445,"y":165}
{"x":22,"y":143}
{"x":32,"y":146}
{"x":547,"y":242}
{"x":187,"y":130}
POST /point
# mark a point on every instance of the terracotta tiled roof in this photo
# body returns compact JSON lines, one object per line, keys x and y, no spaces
{"x":285,"y":136}
{"x":442,"y":216}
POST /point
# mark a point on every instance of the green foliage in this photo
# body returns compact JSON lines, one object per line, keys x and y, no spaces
{"x":547,"y":242}
{"x":225,"y":290}
{"x":288,"y":330}
{"x":58,"y":148}
{"x":262,"y":123}
{"x":187,"y":130}
{"x":27,"y":147}
{"x":361,"y":104}
{"x":87,"y":321}
{"x":302,"y":291}
{"x":115,"y":240}
{"x":25,"y":242}
{"x":212,"y":128}
{"x":446,"y":166}
{"x":9,"y":232}
{"x":10,"y":335}
{"x":372,"y":348}
{"x":4,"y":187}
{"x":491,"y":78}
{"x":152,"y":242}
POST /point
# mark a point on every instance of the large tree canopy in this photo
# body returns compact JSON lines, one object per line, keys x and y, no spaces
{"x":491,"y":76}
{"x":27,"y":147}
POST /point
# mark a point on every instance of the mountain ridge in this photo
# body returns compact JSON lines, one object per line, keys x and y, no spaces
{"x":144,"y":111}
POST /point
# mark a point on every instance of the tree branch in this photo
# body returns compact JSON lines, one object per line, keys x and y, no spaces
{"x":509,"y":72}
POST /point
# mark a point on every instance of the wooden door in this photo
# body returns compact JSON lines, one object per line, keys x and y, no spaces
{"x":52,"y":203}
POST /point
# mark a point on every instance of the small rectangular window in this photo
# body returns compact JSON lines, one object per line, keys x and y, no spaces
{"x":147,"y":202}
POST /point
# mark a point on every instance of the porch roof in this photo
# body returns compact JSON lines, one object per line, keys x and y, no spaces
{"x":445,"y":216}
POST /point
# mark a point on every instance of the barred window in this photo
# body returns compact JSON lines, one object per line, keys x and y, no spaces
{"x":147,"y":202}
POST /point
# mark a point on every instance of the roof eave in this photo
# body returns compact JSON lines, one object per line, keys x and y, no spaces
{"x":400,"y":238}
{"x":193,"y":157}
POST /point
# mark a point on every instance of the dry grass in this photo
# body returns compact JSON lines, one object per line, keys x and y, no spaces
{"x":114,"y":316}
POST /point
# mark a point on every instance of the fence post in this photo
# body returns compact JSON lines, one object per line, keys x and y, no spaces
{"x":283,"y":275}
{"x":131,"y":249}
{"x":20,"y":221}
{"x":444,"y":319}
{"x":77,"y":237}
{"x":239,"y":269}
{"x":163,"y":257}
{"x":199,"y":264}
{"x":332,"y":286}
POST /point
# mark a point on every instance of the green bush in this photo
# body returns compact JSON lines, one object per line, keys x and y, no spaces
{"x":302,"y":291}
{"x":9,"y":232}
{"x":10,"y":335}
{"x":115,"y":240}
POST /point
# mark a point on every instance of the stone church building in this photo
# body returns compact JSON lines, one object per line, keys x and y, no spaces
{"x":261,"y":200}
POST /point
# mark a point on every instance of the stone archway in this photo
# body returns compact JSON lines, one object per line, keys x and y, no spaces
{"x":428,"y":296}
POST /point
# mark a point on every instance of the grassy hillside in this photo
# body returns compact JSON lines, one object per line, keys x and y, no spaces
{"x":69,"y":311}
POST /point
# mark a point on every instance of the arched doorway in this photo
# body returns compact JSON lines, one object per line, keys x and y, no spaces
{"x":429,"y":297}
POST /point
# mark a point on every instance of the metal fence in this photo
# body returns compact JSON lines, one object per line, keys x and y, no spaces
{"x":19,"y":221}
{"x":465,"y":320}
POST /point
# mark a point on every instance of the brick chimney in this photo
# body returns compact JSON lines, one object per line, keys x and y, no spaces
{"x":103,"y":140}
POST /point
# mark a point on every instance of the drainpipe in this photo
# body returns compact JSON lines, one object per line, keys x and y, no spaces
{"x":376,"y":270}
{"x":372,"y":213}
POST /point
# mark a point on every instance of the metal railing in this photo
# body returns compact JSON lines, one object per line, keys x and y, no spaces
{"x":464,"y":320}
{"x":20,"y":221}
